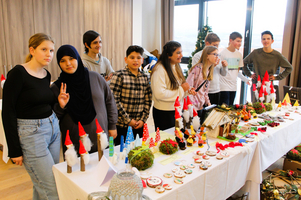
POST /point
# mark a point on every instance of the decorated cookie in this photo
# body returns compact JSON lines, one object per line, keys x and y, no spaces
{"x":200,"y":153}
{"x":177,"y":163}
{"x":153,"y":181}
{"x":191,"y":165}
{"x":167,"y":175}
{"x":205,"y":157}
{"x":183,"y":167}
{"x":160,"y":189}
{"x":178,"y":181}
{"x":167,"y":186}
{"x":198,"y":160}
{"x":210,"y":153}
{"x":203,"y":167}
{"x":179,"y":174}
{"x":225,"y":154}
{"x":195,"y":156}
{"x":188,"y":171}
{"x":219,"y":157}
{"x":175,"y":169}
{"x":207,"y":163}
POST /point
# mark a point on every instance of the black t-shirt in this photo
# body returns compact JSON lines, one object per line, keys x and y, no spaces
{"x":24,"y":97}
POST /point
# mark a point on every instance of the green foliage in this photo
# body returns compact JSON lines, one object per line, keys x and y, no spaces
{"x":168,"y":146}
{"x":268,"y":106}
{"x":142,"y":158}
{"x":200,"y":44}
{"x":258,"y":106}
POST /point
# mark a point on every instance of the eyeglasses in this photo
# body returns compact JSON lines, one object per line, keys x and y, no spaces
{"x":215,"y":54}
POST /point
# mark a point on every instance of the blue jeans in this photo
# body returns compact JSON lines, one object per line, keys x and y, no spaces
{"x":40,"y":143}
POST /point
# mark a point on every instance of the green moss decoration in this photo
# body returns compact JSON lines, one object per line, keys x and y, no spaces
{"x":141,"y":157}
{"x":168,"y":146}
{"x":259,"y":107}
{"x":268,"y":106}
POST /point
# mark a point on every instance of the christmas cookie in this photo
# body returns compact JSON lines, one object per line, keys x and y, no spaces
{"x":177,"y":163}
{"x":167,"y":186}
{"x":200,"y":153}
{"x":160,"y":189}
{"x":175,"y":169}
{"x":203,"y":167}
{"x":153,"y":181}
{"x":179,"y":174}
{"x":219,"y":157}
{"x":225,"y":154}
{"x":188,"y":171}
{"x":191,"y":165}
{"x":195,"y":156}
{"x":207,"y":163}
{"x":205,"y":157}
{"x":183,"y":167}
{"x":178,"y":181}
{"x":197,"y":160}
{"x":210,"y":153}
{"x":167,"y":175}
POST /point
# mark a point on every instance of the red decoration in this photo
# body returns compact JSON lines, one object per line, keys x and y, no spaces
{"x":185,"y":107}
{"x":188,"y":101}
{"x":151,"y":143}
{"x":98,"y":127}
{"x":177,"y":103}
{"x":2,"y":78}
{"x":157,"y":139}
{"x":254,"y":87}
{"x":222,"y":147}
{"x":81,"y":130}
{"x":195,"y":113}
{"x":82,"y":149}
{"x":67,"y":140}
{"x":145,"y":132}
{"x":177,"y":114}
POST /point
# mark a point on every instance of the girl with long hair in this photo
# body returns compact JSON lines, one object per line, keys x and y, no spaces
{"x":168,"y":82}
{"x":31,"y":128}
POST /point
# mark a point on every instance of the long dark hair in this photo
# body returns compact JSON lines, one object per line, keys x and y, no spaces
{"x":168,"y":49}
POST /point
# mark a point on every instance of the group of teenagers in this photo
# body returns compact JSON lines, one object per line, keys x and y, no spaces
{"x":37,"y":114}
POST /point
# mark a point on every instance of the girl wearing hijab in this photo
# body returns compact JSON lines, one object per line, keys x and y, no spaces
{"x":31,"y":128}
{"x":83,"y":96}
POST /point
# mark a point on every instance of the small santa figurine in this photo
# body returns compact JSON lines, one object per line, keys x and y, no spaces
{"x":84,"y":156}
{"x":255,"y":91}
{"x":179,"y":120}
{"x":84,"y":137}
{"x":258,"y":82}
{"x":186,"y":115}
{"x":196,"y":121}
{"x":177,"y":106}
{"x":102,"y":140}
{"x":2,"y":80}
{"x":70,"y":153}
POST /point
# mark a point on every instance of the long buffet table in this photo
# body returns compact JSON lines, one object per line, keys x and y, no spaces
{"x":220,"y":181}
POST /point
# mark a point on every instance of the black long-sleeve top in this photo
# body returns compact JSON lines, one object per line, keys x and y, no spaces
{"x":24,"y":97}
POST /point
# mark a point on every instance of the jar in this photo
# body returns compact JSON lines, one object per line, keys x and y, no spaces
{"x":125,"y":184}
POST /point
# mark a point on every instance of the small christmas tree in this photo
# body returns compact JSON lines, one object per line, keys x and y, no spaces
{"x":200,"y":44}
{"x":157,"y":139}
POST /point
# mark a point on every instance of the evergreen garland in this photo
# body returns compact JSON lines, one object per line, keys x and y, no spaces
{"x":200,"y":44}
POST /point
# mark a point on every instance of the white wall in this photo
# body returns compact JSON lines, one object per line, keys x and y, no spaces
{"x":147,"y":24}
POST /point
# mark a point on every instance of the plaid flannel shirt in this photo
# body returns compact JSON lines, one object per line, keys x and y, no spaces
{"x":132,"y":94}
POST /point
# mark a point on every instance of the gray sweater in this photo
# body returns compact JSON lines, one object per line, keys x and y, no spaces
{"x":270,"y":62}
{"x":103,"y":67}
{"x":105,"y":107}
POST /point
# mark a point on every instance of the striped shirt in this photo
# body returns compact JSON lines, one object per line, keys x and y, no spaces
{"x":133,"y":96}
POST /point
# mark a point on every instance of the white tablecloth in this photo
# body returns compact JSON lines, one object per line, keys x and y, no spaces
{"x":5,"y":157}
{"x":218,"y":182}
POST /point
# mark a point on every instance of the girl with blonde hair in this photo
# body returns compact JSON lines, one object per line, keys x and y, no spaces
{"x":31,"y":128}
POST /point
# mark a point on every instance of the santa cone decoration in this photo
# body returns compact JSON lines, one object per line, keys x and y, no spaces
{"x":190,"y":108}
{"x":267,"y":82}
{"x":179,"y":120}
{"x":261,"y":97}
{"x":84,"y":156}
{"x":258,"y":82}
{"x":186,"y":114}
{"x":2,"y":80}
{"x":255,"y":91}
{"x":145,"y":134}
{"x":196,"y":121}
{"x":279,"y":107}
{"x":70,"y":153}
{"x":151,"y":143}
{"x":272,"y":92}
{"x":102,"y":140}
{"x":84,"y":137}
{"x":158,"y":137}
{"x":177,"y":105}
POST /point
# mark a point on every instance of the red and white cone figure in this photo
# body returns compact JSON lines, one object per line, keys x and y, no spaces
{"x":70,"y":153}
{"x":179,"y":120}
{"x":267,"y":82}
{"x":177,"y":105}
{"x":261,"y":97}
{"x":2,"y":80}
{"x":272,"y":92}
{"x":102,"y":139}
{"x":258,"y":82}
{"x":186,"y":114}
{"x":145,"y":134}
{"x":84,"y":156}
{"x":84,"y":137}
{"x":196,"y":121}
{"x":151,"y":143}
{"x":190,"y":107}
{"x":255,"y":91}
{"x":158,"y":137}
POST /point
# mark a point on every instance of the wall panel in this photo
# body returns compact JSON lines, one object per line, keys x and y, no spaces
{"x":47,"y":20}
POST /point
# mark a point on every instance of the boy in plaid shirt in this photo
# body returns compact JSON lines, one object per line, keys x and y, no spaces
{"x":132,"y":93}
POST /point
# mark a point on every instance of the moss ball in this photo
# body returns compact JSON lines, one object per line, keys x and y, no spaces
{"x":141,"y":157}
{"x":268,"y":106}
{"x":259,"y":107}
{"x":168,"y":146}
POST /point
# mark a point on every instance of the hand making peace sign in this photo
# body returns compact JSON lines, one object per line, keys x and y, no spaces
{"x":63,"y":97}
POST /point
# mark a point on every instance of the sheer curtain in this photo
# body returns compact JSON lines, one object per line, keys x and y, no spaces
{"x":167,"y":13}
{"x":292,"y":42}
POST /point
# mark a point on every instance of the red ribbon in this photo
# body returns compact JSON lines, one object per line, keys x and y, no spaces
{"x":222,"y":147}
